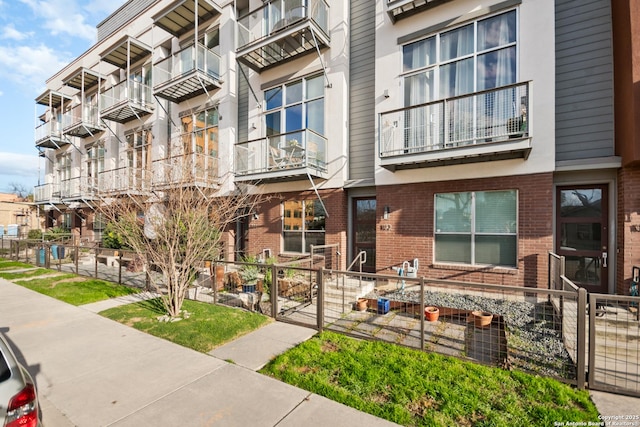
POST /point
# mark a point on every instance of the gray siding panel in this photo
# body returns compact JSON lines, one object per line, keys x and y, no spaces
{"x":584,"y":80}
{"x":362,"y":144}
{"x":243,"y":103}
{"x":120,"y":17}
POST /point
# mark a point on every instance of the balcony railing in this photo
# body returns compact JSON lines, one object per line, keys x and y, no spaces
{"x":490,"y":123}
{"x":289,"y":154}
{"x":126,"y":101}
{"x":280,"y":30}
{"x":187,"y":169}
{"x":78,"y":188}
{"x":125,"y":180}
{"x":46,"y":193}
{"x":82,"y":121}
{"x":187,"y":73}
{"x":49,"y":135}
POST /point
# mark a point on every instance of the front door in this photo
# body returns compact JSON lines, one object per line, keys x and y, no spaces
{"x":582,"y":235}
{"x":364,"y":232}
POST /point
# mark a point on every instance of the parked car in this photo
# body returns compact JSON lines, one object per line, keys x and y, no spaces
{"x":18,"y":395}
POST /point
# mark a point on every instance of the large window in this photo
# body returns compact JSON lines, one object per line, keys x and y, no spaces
{"x":138,"y":157}
{"x":200,"y":137}
{"x":295,"y":106}
{"x":95,"y":165}
{"x":478,"y":56}
{"x":303,"y":225}
{"x":477,"y":228}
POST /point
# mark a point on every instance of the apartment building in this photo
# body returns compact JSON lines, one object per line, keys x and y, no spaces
{"x":471,"y":136}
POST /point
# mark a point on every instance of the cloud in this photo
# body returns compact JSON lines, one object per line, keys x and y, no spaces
{"x":9,"y":32}
{"x":62,"y":17}
{"x":30,"y":66}
{"x":19,"y":165}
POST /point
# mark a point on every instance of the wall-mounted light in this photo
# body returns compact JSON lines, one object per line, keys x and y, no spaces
{"x":253,"y":126}
{"x":386,"y":212}
{"x":386,"y":93}
{"x":254,"y":215}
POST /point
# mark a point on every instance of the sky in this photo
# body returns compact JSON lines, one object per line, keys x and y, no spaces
{"x":37,"y":39}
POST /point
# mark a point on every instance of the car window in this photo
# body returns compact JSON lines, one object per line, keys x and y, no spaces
{"x":5,"y":373}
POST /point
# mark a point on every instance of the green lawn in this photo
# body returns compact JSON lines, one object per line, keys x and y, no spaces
{"x":208,"y":326}
{"x":415,"y":388}
{"x":67,"y":287}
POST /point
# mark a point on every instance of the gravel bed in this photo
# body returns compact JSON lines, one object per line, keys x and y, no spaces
{"x":534,"y":344}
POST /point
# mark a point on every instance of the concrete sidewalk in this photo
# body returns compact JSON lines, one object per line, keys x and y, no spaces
{"x":92,"y":371}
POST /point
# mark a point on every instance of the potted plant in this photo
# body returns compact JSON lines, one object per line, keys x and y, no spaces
{"x":249,"y":275}
{"x":481,"y":318}
{"x":431,"y":313}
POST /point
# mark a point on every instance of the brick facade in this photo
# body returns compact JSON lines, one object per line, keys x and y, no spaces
{"x":408,"y":232}
{"x":628,"y":227}
{"x":265,"y":232}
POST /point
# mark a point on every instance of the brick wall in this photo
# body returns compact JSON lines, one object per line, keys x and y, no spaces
{"x":265,"y":232}
{"x":628,"y":232}
{"x":408,"y":233}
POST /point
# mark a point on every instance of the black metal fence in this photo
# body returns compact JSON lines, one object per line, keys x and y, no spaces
{"x":562,"y":332}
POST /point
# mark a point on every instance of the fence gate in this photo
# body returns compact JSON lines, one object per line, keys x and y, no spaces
{"x":614,"y":344}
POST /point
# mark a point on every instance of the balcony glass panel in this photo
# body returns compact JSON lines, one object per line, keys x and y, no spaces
{"x":126,"y":91}
{"x":276,"y":15}
{"x":194,"y":168}
{"x":302,"y":148}
{"x":193,"y":58}
{"x":81,"y":113}
{"x":52,"y":128}
{"x":125,"y":179}
{"x":480,"y":118}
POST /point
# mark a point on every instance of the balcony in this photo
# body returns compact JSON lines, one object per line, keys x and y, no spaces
{"x":180,"y":16}
{"x":82,"y":121}
{"x":400,"y":9}
{"x":124,"y":180}
{"x":49,"y":133}
{"x":46,"y":194}
{"x":282,"y":30}
{"x":484,"y":126}
{"x":289,"y":156}
{"x":186,"y":170}
{"x":78,"y":189}
{"x":126,"y":101}
{"x":191,"y":72}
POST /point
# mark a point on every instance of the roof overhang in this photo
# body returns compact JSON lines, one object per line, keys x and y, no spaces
{"x":52,"y":99}
{"x":83,"y":76}
{"x":180,"y":17}
{"x":126,"y":51}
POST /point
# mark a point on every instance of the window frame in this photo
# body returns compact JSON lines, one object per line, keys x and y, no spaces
{"x":473,"y":233}
{"x":304,"y":230}
{"x":303,"y":102}
{"x":436,"y":66}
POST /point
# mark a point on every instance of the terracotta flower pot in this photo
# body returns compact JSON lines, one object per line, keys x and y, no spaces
{"x":431,"y":313}
{"x":362,"y":304}
{"x":481,"y":318}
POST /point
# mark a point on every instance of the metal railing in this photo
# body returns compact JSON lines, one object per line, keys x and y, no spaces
{"x":126,"y":91}
{"x":302,"y":148}
{"x":48,"y":129}
{"x":479,"y":118}
{"x":276,"y":15}
{"x":191,"y":168}
{"x":192,"y":58}
{"x":124,"y":179}
{"x":81,"y":113}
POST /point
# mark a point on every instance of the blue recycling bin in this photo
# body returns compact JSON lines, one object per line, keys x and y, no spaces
{"x":54,"y":251}
{"x":383,"y":306}
{"x":41,"y":256}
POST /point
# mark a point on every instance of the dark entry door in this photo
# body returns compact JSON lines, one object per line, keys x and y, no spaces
{"x":364,"y":231}
{"x":582,"y":235}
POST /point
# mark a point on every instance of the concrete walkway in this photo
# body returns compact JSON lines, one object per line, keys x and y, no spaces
{"x":91,"y":371}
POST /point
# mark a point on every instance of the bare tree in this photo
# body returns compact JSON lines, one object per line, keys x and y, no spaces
{"x":19,"y":190}
{"x":175,"y":230}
